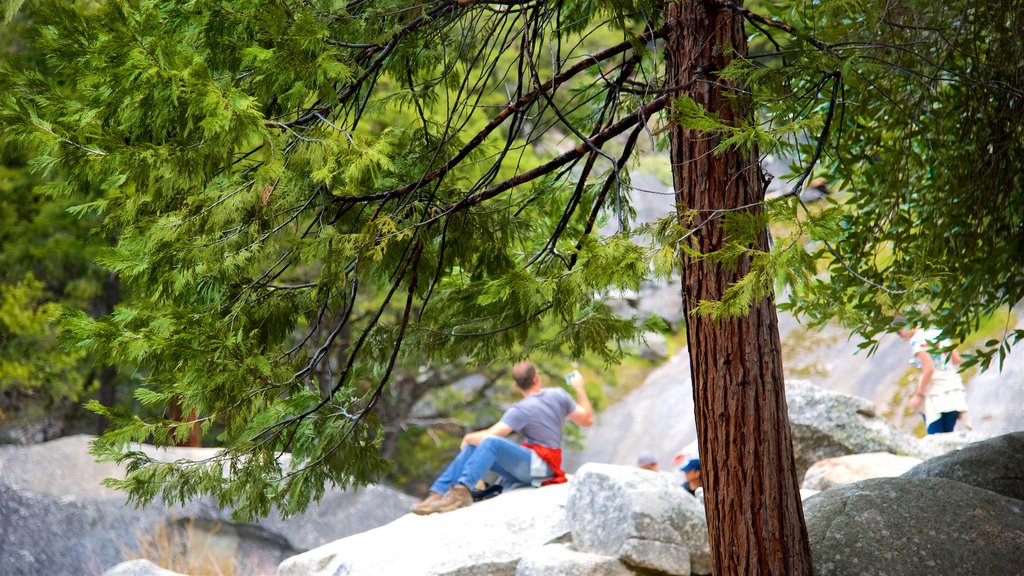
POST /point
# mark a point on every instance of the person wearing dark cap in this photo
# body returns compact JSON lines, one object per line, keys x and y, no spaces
{"x":647,"y":461}
{"x":692,"y":471}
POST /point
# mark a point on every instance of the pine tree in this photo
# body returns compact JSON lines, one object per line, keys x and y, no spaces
{"x":307,"y":196}
{"x":46,"y":261}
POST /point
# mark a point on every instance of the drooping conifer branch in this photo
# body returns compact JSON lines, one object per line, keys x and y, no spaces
{"x":766,"y":21}
{"x":641,"y":115}
{"x":521,"y":104}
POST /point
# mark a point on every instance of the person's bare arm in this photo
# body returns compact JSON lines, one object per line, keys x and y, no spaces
{"x":927,"y":369}
{"x":583,"y":415}
{"x":475,"y":438}
{"x":955,"y":357}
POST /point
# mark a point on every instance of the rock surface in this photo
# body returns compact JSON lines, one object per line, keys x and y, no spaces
{"x":914,"y":527}
{"x":934,"y":445}
{"x":139,"y":568}
{"x":50,"y":490}
{"x":486,"y":539}
{"x":855,"y":467}
{"x":996,"y":465}
{"x":562,"y":560}
{"x":828,"y":424}
{"x":640,"y":517}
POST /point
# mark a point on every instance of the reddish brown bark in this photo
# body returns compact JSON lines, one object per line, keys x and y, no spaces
{"x":755,"y":519}
{"x":195,"y":434}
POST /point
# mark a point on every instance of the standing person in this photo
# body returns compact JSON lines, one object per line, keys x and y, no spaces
{"x":939,"y":387}
{"x":539,"y":418}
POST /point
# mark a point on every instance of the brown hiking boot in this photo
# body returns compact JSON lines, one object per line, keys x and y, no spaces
{"x":457,"y":497}
{"x":427,"y":505}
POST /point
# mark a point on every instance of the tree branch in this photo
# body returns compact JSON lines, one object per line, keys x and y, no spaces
{"x":520,"y":104}
{"x":619,"y":127}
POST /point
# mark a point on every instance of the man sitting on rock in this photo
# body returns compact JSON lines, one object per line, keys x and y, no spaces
{"x":539,"y":418}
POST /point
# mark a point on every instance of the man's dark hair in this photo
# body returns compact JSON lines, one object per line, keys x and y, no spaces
{"x":523,"y":373}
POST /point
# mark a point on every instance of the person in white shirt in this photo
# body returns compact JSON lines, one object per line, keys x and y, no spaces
{"x":939,"y":387}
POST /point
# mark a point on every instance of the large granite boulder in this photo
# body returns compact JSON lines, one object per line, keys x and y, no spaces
{"x":51,"y":490}
{"x":855,"y":467}
{"x":914,"y":527}
{"x":827,"y":424}
{"x":563,"y":560}
{"x":996,"y":464}
{"x":488,"y":538}
{"x":639,"y":516}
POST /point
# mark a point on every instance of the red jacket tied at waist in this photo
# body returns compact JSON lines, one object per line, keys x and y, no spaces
{"x":553,"y":458}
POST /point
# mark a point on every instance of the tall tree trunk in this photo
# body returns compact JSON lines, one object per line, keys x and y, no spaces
{"x":755,"y":518}
{"x":103,"y":306}
{"x":107,"y":395}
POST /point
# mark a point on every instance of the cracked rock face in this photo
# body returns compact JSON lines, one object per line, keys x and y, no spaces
{"x":828,"y":424}
{"x":914,"y":527}
{"x":640,"y":517}
{"x":996,"y":465}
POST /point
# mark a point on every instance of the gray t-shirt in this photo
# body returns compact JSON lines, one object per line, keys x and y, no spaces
{"x":539,"y":417}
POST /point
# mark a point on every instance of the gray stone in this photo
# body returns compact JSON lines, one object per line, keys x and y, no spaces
{"x":562,"y":560}
{"x":934,"y":445}
{"x":996,"y":465}
{"x":639,"y":516}
{"x":663,"y":557}
{"x":485,"y":539}
{"x":827,"y":424}
{"x":622,"y":307}
{"x":655,"y":346}
{"x":664,"y":301}
{"x":855,"y":467}
{"x":914,"y":527}
{"x":50,"y":490}
{"x":651,"y":346}
{"x":139,"y":568}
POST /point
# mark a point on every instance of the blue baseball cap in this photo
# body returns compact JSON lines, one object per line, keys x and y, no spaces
{"x":691,"y":465}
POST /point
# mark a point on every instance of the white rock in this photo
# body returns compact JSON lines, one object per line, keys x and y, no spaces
{"x":848,"y":469}
{"x":562,"y":560}
{"x":139,"y":568}
{"x":934,"y":445}
{"x":485,"y":539}
{"x":642,"y":518}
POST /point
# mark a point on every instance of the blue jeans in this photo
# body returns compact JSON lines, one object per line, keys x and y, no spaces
{"x":945,"y":423}
{"x":508,"y":459}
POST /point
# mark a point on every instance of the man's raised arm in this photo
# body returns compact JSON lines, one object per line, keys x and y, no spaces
{"x":583,"y":415}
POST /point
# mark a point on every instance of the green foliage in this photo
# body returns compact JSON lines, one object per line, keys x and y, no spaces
{"x":922,"y":135}
{"x":30,"y":359}
{"x":45,"y":263}
{"x":304,"y":201}
{"x":301,"y":215}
